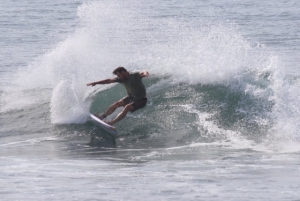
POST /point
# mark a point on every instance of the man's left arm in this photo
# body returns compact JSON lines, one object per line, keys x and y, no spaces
{"x":144,"y":74}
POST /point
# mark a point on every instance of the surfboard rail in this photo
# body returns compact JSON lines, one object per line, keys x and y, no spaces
{"x":110,"y":129}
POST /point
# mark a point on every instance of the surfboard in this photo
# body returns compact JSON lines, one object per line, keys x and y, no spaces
{"x":112,"y":130}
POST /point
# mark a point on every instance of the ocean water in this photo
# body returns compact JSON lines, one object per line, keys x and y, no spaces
{"x":223,"y":111}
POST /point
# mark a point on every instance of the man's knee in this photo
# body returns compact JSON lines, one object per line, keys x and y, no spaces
{"x":128,"y":108}
{"x":119,"y":103}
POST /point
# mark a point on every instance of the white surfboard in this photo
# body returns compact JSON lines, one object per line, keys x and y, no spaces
{"x":112,"y":130}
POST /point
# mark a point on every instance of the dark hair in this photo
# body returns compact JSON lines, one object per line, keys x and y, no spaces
{"x":119,"y":69}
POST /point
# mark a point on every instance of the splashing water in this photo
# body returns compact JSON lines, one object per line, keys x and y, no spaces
{"x":202,"y":73}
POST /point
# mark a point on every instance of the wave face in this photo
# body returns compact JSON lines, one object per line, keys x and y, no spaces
{"x":207,"y":84}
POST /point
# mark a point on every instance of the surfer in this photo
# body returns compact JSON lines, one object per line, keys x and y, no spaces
{"x":135,"y":88}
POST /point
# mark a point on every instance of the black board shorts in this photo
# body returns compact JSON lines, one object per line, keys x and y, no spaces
{"x":138,"y":104}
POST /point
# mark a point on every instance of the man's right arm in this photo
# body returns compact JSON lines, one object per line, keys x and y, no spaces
{"x":106,"y":81}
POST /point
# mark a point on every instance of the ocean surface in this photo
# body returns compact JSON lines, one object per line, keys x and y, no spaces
{"x":222,"y":120}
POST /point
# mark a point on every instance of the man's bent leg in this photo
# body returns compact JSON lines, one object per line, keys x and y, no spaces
{"x":123,"y":114}
{"x":111,"y":109}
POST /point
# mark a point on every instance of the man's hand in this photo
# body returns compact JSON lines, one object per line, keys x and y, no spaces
{"x":144,"y":74}
{"x":91,"y":84}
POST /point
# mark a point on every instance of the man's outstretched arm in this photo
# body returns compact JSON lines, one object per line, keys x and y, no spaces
{"x":106,"y":81}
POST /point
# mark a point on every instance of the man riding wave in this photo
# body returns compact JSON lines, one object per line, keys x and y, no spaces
{"x":136,"y":91}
